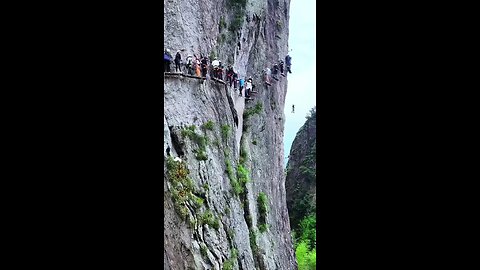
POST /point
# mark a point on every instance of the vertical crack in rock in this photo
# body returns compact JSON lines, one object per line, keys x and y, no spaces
{"x":176,"y":143}
{"x":247,"y":215}
{"x":232,"y":106}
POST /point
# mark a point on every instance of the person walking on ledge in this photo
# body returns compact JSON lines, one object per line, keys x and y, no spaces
{"x":178,"y":58}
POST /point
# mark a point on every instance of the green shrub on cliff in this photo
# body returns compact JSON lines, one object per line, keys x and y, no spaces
{"x":306,"y":259}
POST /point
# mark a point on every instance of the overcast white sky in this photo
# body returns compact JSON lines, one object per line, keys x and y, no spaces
{"x":302,"y":80}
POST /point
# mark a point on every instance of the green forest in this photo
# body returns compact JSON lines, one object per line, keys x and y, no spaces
{"x":305,"y":243}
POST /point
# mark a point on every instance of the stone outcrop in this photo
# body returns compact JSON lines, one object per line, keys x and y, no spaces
{"x":225,"y":201}
{"x":302,"y":173}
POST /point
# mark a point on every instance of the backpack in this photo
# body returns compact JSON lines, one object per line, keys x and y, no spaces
{"x":167,"y":57}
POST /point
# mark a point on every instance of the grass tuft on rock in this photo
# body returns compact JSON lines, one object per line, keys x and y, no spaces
{"x":203,"y":250}
{"x":225,"y":131}
{"x":228,"y":264}
{"x":197,"y":201}
{"x":208,"y":125}
{"x":208,"y":218}
{"x":254,"y":110}
{"x":200,"y":141}
{"x":262,"y":203}
{"x":182,"y":185}
{"x":253,"y":241}
{"x":262,"y":228}
{"x":242,"y":175}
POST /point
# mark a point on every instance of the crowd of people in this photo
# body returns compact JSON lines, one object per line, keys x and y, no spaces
{"x":193,"y":64}
{"x":199,"y":66}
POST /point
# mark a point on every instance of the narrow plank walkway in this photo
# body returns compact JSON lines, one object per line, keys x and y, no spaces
{"x":178,"y":74}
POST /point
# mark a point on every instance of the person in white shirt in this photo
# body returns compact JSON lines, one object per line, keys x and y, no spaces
{"x":189,"y":64}
{"x":215,"y":65}
{"x":248,"y":87}
{"x":267,"y":72}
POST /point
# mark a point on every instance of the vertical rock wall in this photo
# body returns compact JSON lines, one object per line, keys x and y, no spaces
{"x":207,"y":224}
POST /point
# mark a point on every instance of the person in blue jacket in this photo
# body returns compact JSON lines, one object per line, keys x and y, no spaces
{"x":288,"y":63}
{"x":242,"y":83}
{"x":167,"y":59}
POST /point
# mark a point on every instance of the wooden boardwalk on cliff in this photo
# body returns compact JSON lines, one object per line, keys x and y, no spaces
{"x":178,"y":74}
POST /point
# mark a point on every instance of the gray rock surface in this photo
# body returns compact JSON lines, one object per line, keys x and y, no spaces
{"x":263,"y":35}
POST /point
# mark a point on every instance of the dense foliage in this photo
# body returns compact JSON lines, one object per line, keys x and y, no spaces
{"x":306,"y":244}
{"x":306,"y":259}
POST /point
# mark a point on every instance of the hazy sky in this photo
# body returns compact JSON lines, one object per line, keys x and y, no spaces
{"x":302,"y":80}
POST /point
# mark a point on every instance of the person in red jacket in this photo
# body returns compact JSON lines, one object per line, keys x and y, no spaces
{"x":230,"y":73}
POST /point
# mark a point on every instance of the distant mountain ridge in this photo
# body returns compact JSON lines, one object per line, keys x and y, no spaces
{"x":301,"y":180}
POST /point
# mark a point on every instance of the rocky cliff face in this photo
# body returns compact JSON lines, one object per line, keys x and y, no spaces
{"x":301,"y":172}
{"x":225,"y":201}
